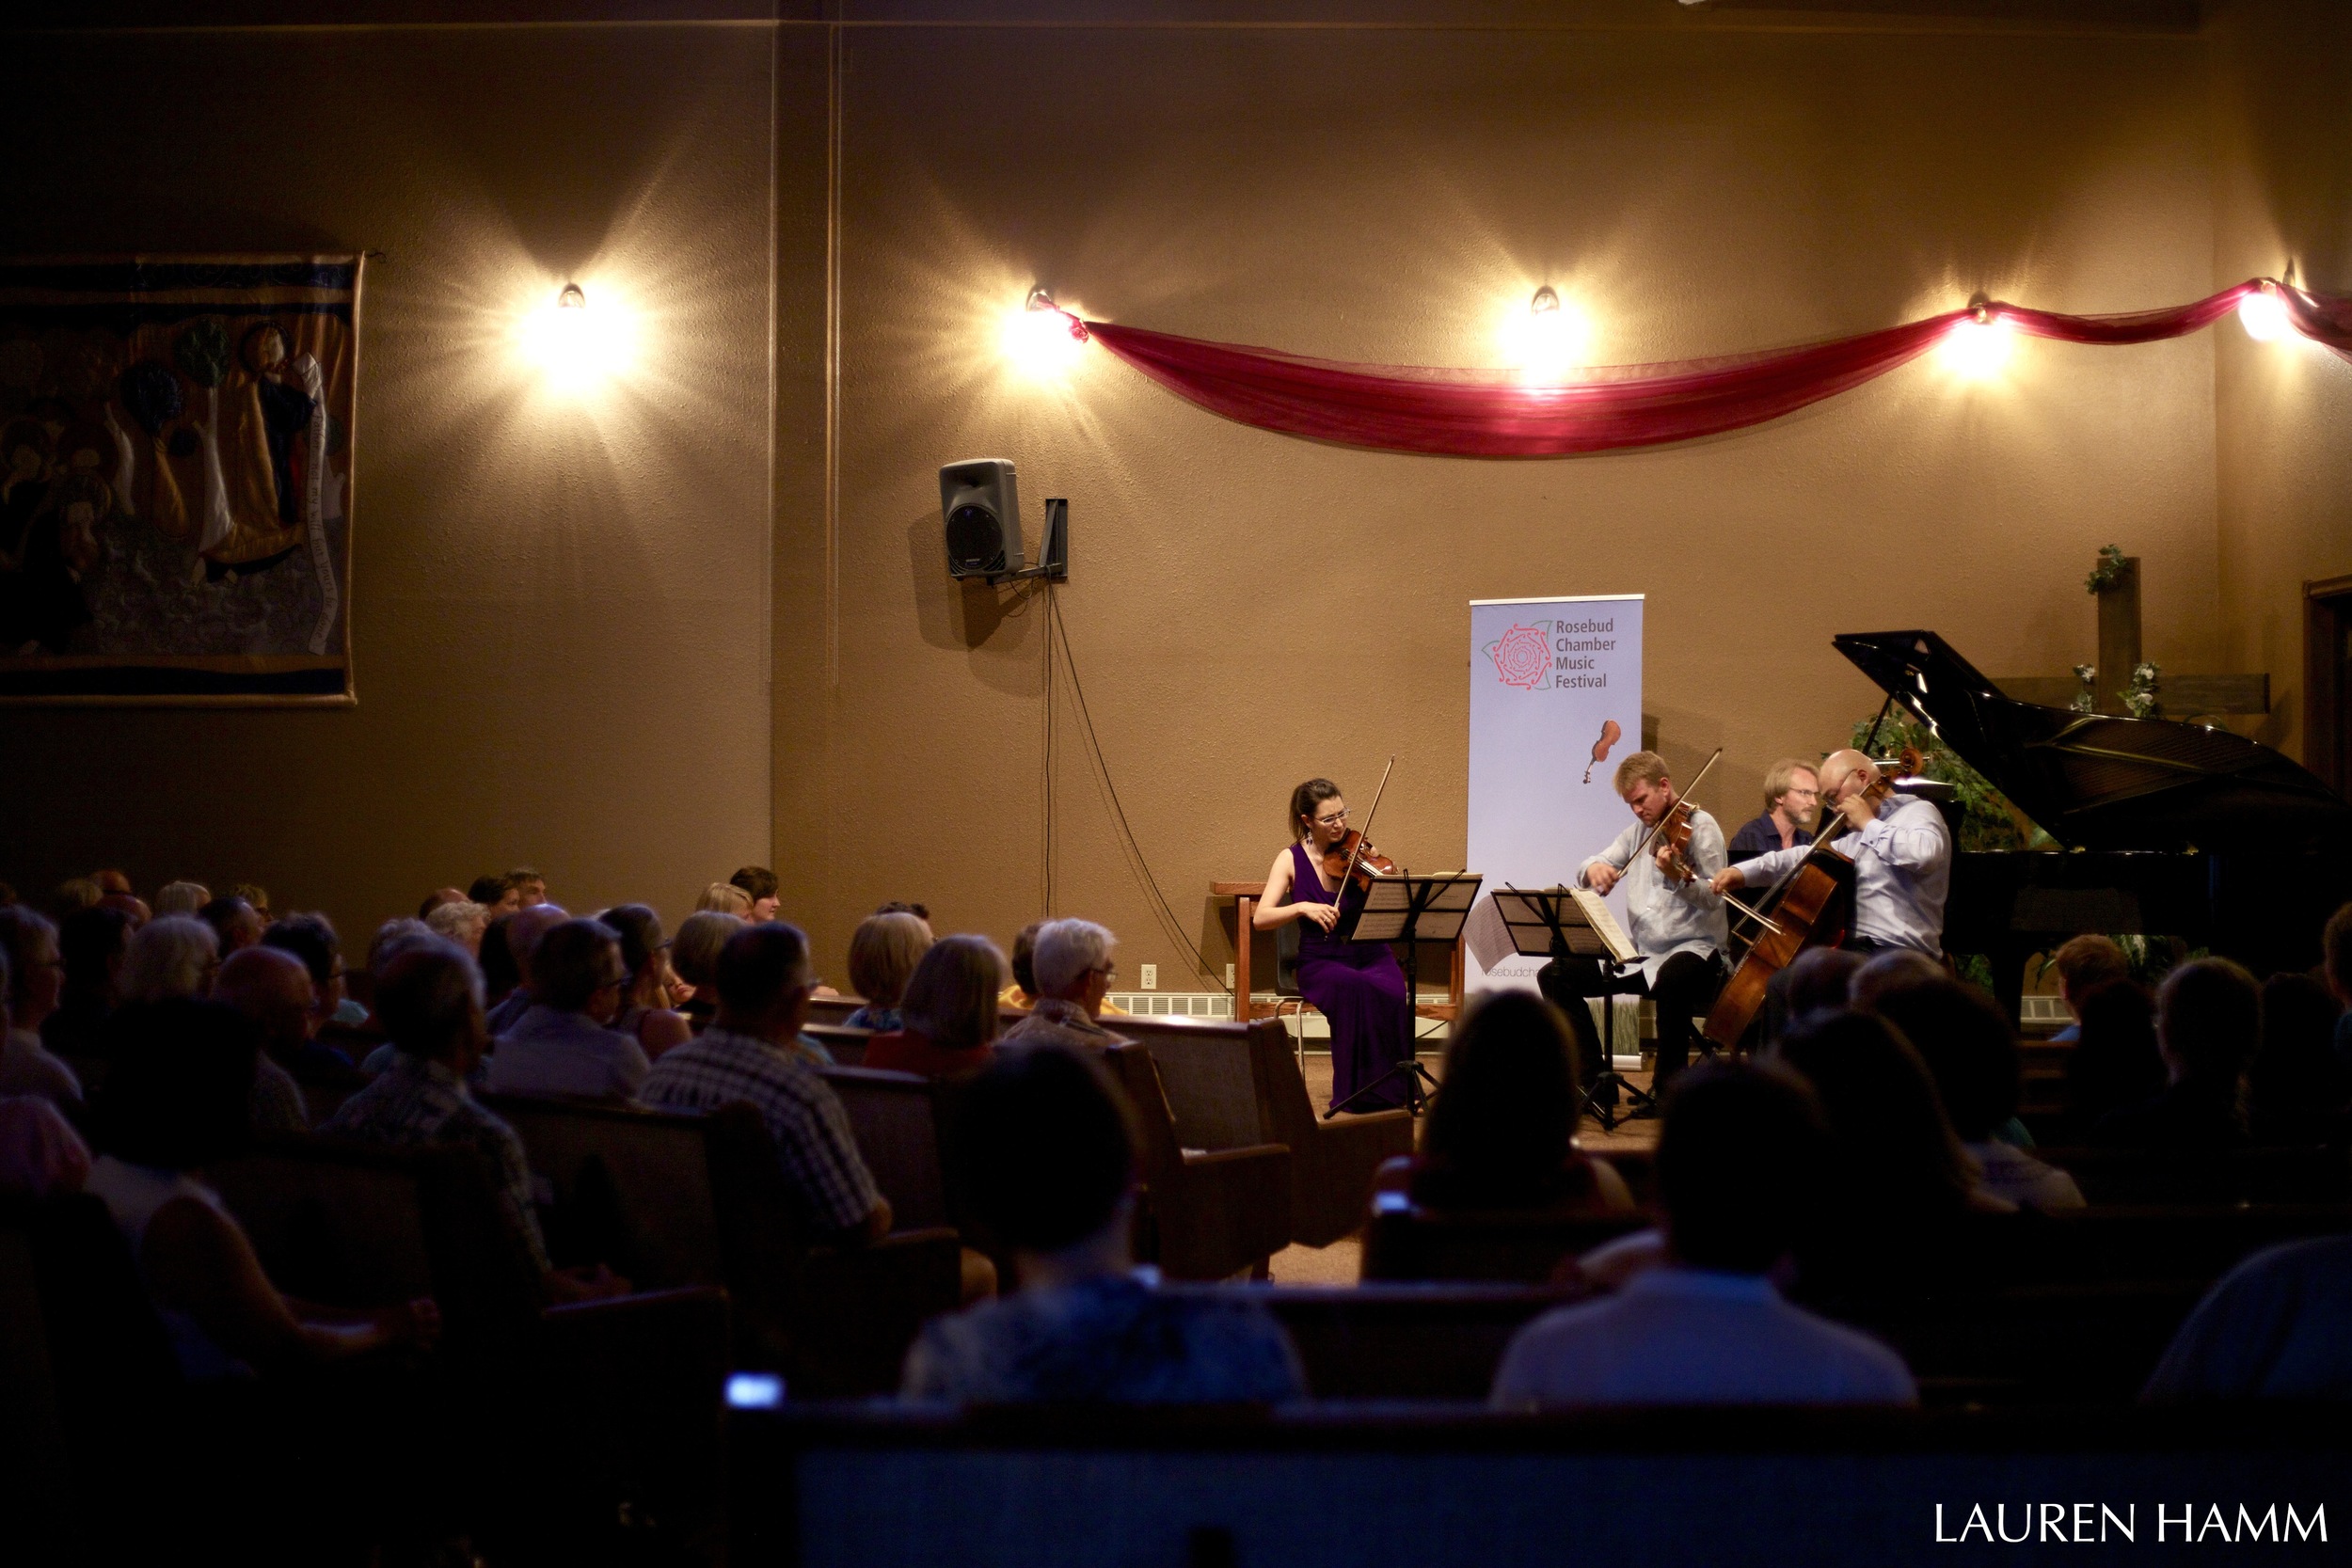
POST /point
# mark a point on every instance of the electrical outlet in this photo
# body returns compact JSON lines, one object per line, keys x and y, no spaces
{"x":1228,"y":976}
{"x":1151,"y":976}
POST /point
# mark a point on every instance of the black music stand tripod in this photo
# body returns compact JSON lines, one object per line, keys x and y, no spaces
{"x":1540,"y":921}
{"x":1411,"y":909}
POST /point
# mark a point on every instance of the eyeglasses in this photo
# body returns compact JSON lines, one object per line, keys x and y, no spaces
{"x":1333,"y":820}
{"x":1109,"y":971}
{"x":1805,"y":794}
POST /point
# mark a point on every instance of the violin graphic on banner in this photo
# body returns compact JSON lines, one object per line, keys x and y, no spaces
{"x":1610,"y":735}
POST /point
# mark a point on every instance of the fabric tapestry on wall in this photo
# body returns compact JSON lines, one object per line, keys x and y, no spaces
{"x":175,"y":473}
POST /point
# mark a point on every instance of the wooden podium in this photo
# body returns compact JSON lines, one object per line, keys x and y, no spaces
{"x":1246,"y":897}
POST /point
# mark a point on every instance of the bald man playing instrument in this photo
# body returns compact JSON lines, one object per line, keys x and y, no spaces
{"x":1901,"y":854}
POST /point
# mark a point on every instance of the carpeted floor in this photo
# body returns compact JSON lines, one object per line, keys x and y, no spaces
{"x":1338,"y":1263}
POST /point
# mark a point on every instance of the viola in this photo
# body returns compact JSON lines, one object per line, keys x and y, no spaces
{"x":1353,"y":860}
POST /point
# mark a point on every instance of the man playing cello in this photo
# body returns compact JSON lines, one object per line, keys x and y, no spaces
{"x":1675,"y":921}
{"x":1901,"y":854}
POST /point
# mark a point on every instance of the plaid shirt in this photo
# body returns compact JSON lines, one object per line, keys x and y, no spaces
{"x":416,"y":1104}
{"x":814,"y":1141}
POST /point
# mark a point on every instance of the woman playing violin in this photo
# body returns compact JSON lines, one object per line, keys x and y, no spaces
{"x":1356,"y":986}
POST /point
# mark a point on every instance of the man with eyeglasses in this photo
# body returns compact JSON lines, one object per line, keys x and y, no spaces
{"x":1793,"y":809}
{"x":1073,"y":967}
{"x":560,"y":1045}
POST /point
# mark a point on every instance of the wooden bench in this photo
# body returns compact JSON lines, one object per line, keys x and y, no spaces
{"x":2295,"y":1174}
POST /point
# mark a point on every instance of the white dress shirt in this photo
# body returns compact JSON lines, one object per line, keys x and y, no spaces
{"x":1680,"y":1336}
{"x":1902,"y":866}
{"x":1663,"y":917}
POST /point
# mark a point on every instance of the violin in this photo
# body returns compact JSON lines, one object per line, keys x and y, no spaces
{"x":1353,"y":860}
{"x":1671,"y":833}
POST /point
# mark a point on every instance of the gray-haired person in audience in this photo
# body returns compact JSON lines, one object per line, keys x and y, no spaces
{"x":181,"y":898}
{"x":694,"y":959}
{"x":883,"y":953}
{"x":429,"y":997}
{"x":273,"y":991}
{"x":171,"y":956}
{"x":1740,"y":1161}
{"x":1050,"y":1165}
{"x":560,"y":1045}
{"x":34,"y":980}
{"x":462,"y":922}
{"x":1074,"y":967}
{"x":524,"y":931}
{"x":747,"y":1055}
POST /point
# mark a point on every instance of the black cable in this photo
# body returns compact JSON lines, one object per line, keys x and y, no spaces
{"x":1170,"y":926}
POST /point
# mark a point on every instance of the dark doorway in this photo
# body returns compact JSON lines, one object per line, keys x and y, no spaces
{"x":2327,"y":681}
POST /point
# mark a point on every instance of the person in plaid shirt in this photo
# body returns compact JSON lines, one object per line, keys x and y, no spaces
{"x":747,"y":1054}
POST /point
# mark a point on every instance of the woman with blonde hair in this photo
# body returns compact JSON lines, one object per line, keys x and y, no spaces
{"x":948,"y":1014}
{"x":884,"y":952}
{"x":724,"y":899}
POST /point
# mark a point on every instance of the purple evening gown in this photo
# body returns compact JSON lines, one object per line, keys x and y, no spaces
{"x":1360,"y":988}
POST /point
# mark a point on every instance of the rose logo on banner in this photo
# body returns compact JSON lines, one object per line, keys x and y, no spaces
{"x":1522,"y":657}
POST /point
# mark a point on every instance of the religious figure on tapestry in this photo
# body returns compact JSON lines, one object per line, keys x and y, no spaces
{"x":175,"y":459}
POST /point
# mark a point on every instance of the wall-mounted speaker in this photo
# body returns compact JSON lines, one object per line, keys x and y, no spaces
{"x":981,"y":504}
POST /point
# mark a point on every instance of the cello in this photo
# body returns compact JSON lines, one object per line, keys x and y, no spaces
{"x":1800,"y":905}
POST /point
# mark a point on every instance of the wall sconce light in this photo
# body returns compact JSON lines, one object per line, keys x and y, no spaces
{"x":2263,"y":314}
{"x":1979,"y":344}
{"x":1040,"y":338}
{"x":574,"y":344}
{"x":1546,"y":340}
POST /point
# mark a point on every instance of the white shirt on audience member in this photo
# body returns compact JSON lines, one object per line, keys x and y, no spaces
{"x":1682,"y":1335}
{"x":549,"y":1052}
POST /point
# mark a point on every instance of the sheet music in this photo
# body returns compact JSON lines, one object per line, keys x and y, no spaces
{"x":1585,"y":923}
{"x":1389,"y":905}
{"x":1596,"y":913}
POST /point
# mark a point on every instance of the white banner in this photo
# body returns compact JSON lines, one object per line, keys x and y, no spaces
{"x":1555,"y":705}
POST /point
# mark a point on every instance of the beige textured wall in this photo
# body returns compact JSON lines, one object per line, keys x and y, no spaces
{"x":1248,"y":609}
{"x":2283,"y":195}
{"x":559,"y":607}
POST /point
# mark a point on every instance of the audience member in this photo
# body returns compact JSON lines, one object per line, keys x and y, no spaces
{"x":747,"y":1055}
{"x":2295,"y":1088}
{"x":900,"y":906}
{"x":172,"y":955}
{"x":93,"y":943}
{"x":1502,"y":1136}
{"x":1073,"y":967}
{"x":500,"y":975}
{"x":948,"y":1014}
{"x":41,"y":1153}
{"x":1820,"y":979}
{"x":393,"y":935}
{"x":695,"y":959}
{"x":255,"y":894}
{"x":495,"y":893}
{"x":272,"y":991}
{"x":1741,"y":1163}
{"x":74,"y":894}
{"x":884,"y":951}
{"x":644,"y":1013}
{"x":2335,"y":945}
{"x":561,"y":1044}
{"x":2115,"y":1062}
{"x":1050,"y":1162}
{"x":2208,"y":1020}
{"x":524,"y":929}
{"x":430,"y":999}
{"x":2084,"y":964}
{"x":438,"y":896}
{"x":1023,"y":992}
{"x":32,"y":977}
{"x":462,"y":922}
{"x":2272,"y":1329}
{"x":1882,"y":972}
{"x":176,"y":1101}
{"x":175,"y":897}
{"x":1967,"y":1043}
{"x":530,"y":889}
{"x":236,"y":923}
{"x":111,"y":879}
{"x":134,"y":910}
{"x":724,"y":899}
{"x":312,"y":939}
{"x":759,"y":885}
{"x":1900,"y":1183}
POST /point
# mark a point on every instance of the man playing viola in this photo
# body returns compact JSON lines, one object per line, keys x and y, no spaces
{"x":1901,"y":853}
{"x":1673,"y":914}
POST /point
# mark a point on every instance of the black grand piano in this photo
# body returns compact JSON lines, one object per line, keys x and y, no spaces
{"x":2169,"y":829}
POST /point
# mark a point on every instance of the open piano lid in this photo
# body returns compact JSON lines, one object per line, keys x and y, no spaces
{"x":2095,"y":782}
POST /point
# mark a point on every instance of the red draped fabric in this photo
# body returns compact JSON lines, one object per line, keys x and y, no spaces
{"x":1500,"y":414}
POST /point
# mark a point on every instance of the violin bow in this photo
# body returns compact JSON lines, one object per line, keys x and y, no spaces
{"x":1363,"y":834}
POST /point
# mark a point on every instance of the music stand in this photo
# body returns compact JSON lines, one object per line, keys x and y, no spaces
{"x":1410,"y":908}
{"x":1550,"y":922}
